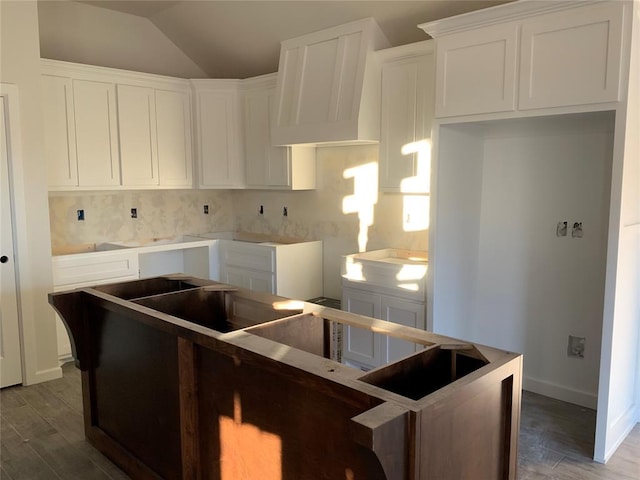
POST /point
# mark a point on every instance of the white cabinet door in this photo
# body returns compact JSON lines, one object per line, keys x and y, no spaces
{"x":173,"y":120}
{"x":406,"y":114}
{"x":96,"y":133}
{"x":219,"y":148}
{"x":359,"y":345}
{"x":137,"y":130}
{"x":403,"y":312}
{"x":571,"y":58}
{"x":269,"y":167}
{"x":59,"y":132}
{"x":266,"y":166}
{"x":476,"y":71}
{"x":251,"y":279}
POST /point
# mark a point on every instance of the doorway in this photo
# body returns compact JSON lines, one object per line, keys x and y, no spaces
{"x":10,"y":352}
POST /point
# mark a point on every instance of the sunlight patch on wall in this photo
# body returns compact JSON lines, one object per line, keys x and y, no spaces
{"x":353,"y":270}
{"x":364,"y":198}
{"x":415,"y":213}
{"x":415,"y":208}
{"x":420,"y":183}
{"x":246,"y":451}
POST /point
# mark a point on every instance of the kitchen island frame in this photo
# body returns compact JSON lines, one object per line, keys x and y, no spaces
{"x":184,"y":378}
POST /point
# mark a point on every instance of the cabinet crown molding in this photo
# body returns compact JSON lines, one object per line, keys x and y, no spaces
{"x":410,"y":50}
{"x":113,"y":75}
{"x":499,"y":14}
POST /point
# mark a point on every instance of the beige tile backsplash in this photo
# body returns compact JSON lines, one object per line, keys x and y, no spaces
{"x":161,"y":213}
{"x":315,"y":215}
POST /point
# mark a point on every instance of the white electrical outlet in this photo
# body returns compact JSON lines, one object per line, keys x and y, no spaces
{"x":575,"y":346}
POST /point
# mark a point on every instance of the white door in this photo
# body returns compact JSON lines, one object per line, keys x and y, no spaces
{"x":10,"y":365}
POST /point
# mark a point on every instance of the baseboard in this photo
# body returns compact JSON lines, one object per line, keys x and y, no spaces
{"x":44,"y":376}
{"x":619,"y":430}
{"x":560,"y":392}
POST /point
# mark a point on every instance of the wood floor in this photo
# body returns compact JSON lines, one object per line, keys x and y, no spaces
{"x":42,"y":437}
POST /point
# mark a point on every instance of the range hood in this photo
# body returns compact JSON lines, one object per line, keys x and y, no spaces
{"x":328,"y":89}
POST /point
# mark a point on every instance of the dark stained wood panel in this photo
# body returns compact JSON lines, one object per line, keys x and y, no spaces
{"x":134,"y":384}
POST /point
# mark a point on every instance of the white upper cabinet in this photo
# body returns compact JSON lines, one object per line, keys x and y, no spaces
{"x":96,"y":133}
{"x":155,"y":137}
{"x":175,"y":146}
{"x":59,"y":132}
{"x":571,"y":58}
{"x":269,"y":167}
{"x":476,"y":71}
{"x":328,"y":86}
{"x":563,"y":53}
{"x":137,"y":129}
{"x":108,"y":129}
{"x":218,"y":134}
{"x":406,"y":116}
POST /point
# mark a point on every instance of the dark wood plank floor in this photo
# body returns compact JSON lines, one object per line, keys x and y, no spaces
{"x":42,"y":437}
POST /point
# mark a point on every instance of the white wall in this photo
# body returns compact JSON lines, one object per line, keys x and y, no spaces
{"x":82,"y":33}
{"x":510,"y":282}
{"x":619,"y":400}
{"x":20,"y":65}
{"x":458,"y":204}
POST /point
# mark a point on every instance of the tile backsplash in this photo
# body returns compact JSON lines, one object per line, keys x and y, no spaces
{"x":345,"y":211}
{"x":160,"y":213}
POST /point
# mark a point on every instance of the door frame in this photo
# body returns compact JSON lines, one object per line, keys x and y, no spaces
{"x":27,"y":282}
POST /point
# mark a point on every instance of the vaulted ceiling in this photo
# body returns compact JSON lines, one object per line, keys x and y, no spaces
{"x":217,"y":39}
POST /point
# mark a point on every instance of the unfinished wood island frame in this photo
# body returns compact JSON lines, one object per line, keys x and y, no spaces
{"x":184,"y":378}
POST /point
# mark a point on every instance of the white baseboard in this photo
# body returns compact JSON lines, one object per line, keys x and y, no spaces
{"x":619,"y":431}
{"x":560,"y":392}
{"x":44,"y":376}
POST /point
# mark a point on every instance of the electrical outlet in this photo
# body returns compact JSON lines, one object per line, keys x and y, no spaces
{"x":80,"y":214}
{"x":575,"y":346}
{"x":285,"y":212}
{"x":134,"y":213}
{"x":576,"y":231}
{"x":561,"y":229}
{"x":206,"y":209}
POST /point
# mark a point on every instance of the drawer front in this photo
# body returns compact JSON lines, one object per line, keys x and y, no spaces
{"x":88,"y":269}
{"x":246,"y":255}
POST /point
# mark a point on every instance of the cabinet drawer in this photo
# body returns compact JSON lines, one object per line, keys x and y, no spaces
{"x":243,"y":255}
{"x":92,"y":268}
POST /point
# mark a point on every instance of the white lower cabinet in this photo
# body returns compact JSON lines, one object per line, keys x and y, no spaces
{"x":403,"y":312}
{"x":366,"y":350}
{"x":84,"y":270}
{"x":288,"y":270}
{"x":361,"y":348}
{"x":251,"y":279}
